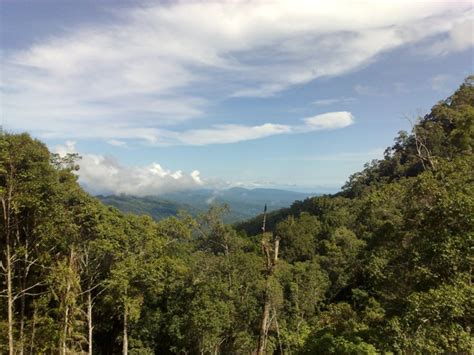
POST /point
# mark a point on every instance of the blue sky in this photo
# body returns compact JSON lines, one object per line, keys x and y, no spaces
{"x":161,"y":96}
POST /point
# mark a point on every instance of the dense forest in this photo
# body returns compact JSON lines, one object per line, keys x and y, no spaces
{"x":384,"y":266}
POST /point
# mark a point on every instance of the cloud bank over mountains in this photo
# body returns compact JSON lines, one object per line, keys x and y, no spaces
{"x":104,"y":175}
{"x":160,"y":65}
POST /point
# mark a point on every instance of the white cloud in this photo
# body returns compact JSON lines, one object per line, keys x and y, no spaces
{"x":104,"y":175}
{"x":233,"y":133}
{"x":330,"y":120}
{"x":68,"y":147}
{"x":459,"y":38}
{"x":237,"y":133}
{"x":230,"y":133}
{"x":158,"y":65}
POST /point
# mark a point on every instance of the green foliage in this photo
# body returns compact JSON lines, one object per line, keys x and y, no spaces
{"x":155,"y":207}
{"x":340,"y":330}
{"x":298,"y":237}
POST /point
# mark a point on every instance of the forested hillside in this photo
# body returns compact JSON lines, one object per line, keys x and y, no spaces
{"x":155,"y":207}
{"x":383,"y":266}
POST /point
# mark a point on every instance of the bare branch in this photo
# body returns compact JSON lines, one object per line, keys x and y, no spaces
{"x":24,"y":292}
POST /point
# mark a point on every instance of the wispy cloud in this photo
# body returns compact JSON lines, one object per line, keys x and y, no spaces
{"x":117,"y":143}
{"x":237,"y":133}
{"x":442,"y":82}
{"x":154,"y":66}
{"x":220,"y":134}
{"x":217,"y":134}
{"x":335,"y":101}
{"x":367,"y":90}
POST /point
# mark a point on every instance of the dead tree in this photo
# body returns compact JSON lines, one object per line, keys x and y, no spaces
{"x":422,"y":151}
{"x":270,"y":246}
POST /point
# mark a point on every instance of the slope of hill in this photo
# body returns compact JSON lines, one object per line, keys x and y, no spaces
{"x":155,"y":207}
{"x":443,"y":134}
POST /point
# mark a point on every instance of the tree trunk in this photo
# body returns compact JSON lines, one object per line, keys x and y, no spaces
{"x":33,"y":328}
{"x":64,"y":335}
{"x":66,"y":304}
{"x":23,"y":301}
{"x":89,"y":320}
{"x":8,"y":271}
{"x":125,"y":332}
{"x":22,"y":321}
{"x":262,"y":339}
{"x":11,"y":349}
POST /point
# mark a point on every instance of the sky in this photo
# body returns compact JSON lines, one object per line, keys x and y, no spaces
{"x":164,"y":96}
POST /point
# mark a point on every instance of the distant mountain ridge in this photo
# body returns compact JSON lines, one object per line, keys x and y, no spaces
{"x":243,"y":203}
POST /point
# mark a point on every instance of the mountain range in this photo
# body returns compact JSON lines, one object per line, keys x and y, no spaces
{"x":243,"y":203}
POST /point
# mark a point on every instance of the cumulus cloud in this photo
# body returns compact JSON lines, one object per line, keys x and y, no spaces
{"x":105,"y":175}
{"x":162,"y":64}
